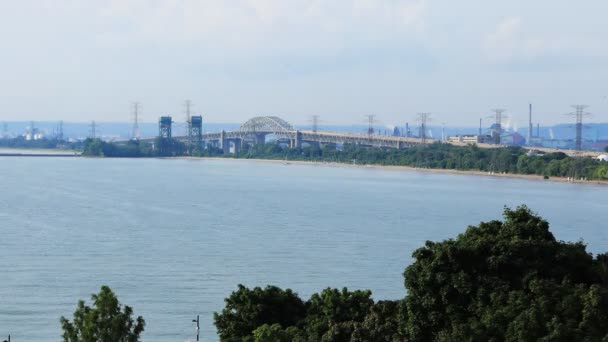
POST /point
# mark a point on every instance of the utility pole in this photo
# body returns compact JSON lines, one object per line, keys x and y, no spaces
{"x":135,"y":133}
{"x":423,"y":118}
{"x":92,"y":132}
{"x":530,"y":126}
{"x":60,"y":131}
{"x":198,"y":326}
{"x":370,"y":127}
{"x":188,"y":105}
{"x":498,"y":115}
{"x":579,"y":113}
{"x":315,"y":123}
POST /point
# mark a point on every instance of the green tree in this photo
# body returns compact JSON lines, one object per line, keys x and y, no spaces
{"x":93,"y":148}
{"x":381,"y":324}
{"x":246,"y":310}
{"x":508,"y":280}
{"x":169,"y":147}
{"x":333,"y":313}
{"x":274,"y":333}
{"x":106,"y":321}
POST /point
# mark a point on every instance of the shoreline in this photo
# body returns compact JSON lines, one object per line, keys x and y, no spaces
{"x":411,"y":168}
{"x":17,"y":152}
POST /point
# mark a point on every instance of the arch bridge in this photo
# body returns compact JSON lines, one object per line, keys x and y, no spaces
{"x":255,"y":130}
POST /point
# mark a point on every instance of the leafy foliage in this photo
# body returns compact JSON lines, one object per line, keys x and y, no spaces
{"x":134,"y":149}
{"x":106,"y":321}
{"x":248,"y":309}
{"x":272,"y":314}
{"x":333,"y":312}
{"x":274,"y":333}
{"x":442,"y":156}
{"x":507,"y":280}
{"x":434,"y":156}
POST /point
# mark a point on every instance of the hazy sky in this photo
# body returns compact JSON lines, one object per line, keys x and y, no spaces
{"x":341,"y":59}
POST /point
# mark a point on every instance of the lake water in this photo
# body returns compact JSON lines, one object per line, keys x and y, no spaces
{"x":173,"y":238}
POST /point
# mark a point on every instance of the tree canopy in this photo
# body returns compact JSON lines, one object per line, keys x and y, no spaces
{"x":513,"y":159}
{"x":162,"y":147}
{"x":248,"y":309}
{"x":106,"y":321}
{"x":509,"y":280}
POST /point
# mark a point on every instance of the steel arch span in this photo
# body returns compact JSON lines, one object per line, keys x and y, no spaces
{"x":267,"y":124}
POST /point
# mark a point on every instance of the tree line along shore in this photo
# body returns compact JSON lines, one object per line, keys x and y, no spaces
{"x":507,"y":160}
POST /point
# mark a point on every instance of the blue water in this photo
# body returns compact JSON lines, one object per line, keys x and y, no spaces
{"x":173,"y":238}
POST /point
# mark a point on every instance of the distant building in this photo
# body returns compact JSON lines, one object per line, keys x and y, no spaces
{"x":471,"y":139}
{"x":33,"y":134}
{"x":561,"y":144}
{"x":535,"y":141}
{"x":514,"y":139}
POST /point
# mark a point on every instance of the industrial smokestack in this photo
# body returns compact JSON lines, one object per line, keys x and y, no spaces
{"x":530,"y":127}
{"x":480,"y":126}
{"x":538,"y":130}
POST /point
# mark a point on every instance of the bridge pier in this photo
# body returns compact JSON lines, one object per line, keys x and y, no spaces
{"x":224,"y":143}
{"x":260,"y":138}
{"x":297,"y":142}
{"x":237,"y":143}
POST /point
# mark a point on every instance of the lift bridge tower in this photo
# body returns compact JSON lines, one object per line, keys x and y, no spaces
{"x":195,"y":130}
{"x":164,"y":127}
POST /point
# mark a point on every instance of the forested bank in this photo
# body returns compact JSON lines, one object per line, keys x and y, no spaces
{"x":511,"y":160}
{"x":135,"y":149}
{"x":508,"y":280}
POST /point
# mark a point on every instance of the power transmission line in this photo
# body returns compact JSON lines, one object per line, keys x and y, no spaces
{"x":60,"y":131}
{"x":92,"y":130}
{"x":188,"y":106}
{"x":135,"y":134}
{"x":315,"y":123}
{"x":498,"y":116}
{"x":579,"y":113}
{"x":423,"y":118}
{"x":4,"y":130}
{"x":370,"y":121}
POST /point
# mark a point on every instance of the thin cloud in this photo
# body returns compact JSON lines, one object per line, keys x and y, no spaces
{"x":257,"y":25}
{"x":510,"y":43}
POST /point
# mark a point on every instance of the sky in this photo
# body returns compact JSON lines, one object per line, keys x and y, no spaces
{"x":339,"y":59}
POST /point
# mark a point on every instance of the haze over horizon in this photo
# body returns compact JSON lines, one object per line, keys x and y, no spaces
{"x":78,"y":61}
